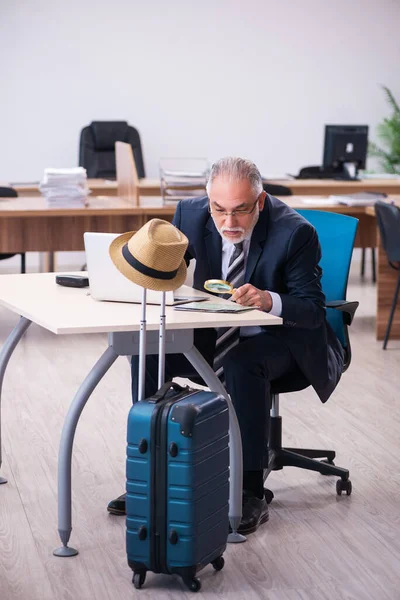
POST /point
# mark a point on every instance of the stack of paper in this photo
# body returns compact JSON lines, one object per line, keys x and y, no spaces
{"x":182,"y":178}
{"x":65,"y":187}
{"x":358,"y":199}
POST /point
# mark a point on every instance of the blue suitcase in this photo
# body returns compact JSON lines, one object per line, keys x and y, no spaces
{"x":177,"y":479}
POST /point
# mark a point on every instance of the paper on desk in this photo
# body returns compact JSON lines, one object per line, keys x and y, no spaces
{"x":379,"y":176}
{"x":319,"y":201}
{"x":214,"y":307}
{"x":359,"y":198}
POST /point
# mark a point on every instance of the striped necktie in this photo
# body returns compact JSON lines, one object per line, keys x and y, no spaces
{"x":228,"y":337}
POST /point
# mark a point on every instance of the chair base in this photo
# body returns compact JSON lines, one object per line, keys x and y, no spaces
{"x":303,"y":458}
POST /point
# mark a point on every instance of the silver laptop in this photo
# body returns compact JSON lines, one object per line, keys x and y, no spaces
{"x":107,"y":283}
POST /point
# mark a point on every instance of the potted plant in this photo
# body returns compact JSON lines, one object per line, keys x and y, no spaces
{"x":389,"y":134}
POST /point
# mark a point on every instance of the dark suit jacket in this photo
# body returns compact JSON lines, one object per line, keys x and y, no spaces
{"x":283,"y":257}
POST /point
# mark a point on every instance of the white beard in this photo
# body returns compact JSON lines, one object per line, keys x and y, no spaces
{"x":243,"y":234}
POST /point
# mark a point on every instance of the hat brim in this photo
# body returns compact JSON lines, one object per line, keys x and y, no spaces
{"x":150,"y":283}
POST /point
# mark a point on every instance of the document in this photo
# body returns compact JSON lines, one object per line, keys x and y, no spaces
{"x":214,"y":307}
{"x":320,"y":201}
{"x":359,"y":198}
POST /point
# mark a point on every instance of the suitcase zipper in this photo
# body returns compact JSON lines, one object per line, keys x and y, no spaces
{"x":161,"y":487}
{"x":158,"y":513}
{"x":154,"y":487}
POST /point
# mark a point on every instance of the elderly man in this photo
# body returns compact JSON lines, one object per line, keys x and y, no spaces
{"x":271,"y":254}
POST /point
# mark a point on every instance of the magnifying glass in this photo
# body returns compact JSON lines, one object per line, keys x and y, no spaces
{"x":218,"y":286}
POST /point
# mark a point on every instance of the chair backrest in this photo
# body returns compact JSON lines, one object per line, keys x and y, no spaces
{"x":8,"y":192}
{"x":97,"y":147}
{"x":388,"y":218}
{"x":336,"y":235}
{"x":276,"y":189}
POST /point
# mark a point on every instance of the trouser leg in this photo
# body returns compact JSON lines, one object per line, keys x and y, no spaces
{"x":249,"y":369}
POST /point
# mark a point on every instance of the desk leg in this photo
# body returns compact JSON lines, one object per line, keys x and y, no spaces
{"x":5,"y":355}
{"x":235,"y":444}
{"x":65,"y":452}
{"x":46,"y":262}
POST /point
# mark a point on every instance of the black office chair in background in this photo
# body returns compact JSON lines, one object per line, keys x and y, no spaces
{"x":9,"y":192}
{"x":276,"y":190}
{"x":336,"y":235}
{"x":97,"y":148}
{"x":388,"y":218}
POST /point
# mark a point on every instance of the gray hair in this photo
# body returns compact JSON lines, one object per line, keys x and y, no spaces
{"x":236,"y":169}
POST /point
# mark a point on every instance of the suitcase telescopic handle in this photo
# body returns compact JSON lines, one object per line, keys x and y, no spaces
{"x":142,"y":348}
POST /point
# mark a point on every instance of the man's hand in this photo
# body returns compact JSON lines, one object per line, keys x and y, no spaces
{"x":248,"y":295}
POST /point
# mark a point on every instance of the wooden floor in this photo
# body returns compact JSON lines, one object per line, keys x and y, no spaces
{"x":316,"y":545}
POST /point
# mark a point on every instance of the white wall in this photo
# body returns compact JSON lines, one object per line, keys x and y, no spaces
{"x":257,"y":78}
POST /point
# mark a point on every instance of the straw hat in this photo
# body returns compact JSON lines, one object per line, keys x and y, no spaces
{"x":152,"y":257}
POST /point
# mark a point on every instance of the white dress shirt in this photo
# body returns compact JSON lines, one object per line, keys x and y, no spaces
{"x":227,"y":251}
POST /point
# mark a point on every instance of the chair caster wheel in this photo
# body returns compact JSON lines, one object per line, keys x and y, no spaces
{"x":343,"y":486}
{"x":218,"y":563}
{"x":138,"y":579}
{"x":194,"y":585}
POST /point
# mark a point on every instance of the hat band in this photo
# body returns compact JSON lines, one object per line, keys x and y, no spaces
{"x":136,"y":264}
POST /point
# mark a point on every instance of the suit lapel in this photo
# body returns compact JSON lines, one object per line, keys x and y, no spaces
{"x":257,"y":241}
{"x":213,"y":243}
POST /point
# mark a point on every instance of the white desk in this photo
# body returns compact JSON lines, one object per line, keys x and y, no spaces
{"x":37,"y":298}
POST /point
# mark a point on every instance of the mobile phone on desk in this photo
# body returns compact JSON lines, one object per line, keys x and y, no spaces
{"x":78,"y":281}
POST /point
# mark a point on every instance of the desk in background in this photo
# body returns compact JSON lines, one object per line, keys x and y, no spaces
{"x":326,"y":187}
{"x":29,"y":225}
{"x":366,"y":234}
{"x":299,"y":187}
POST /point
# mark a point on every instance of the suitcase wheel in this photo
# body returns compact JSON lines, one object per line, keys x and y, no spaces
{"x":194,"y":584}
{"x":218,"y":563}
{"x":138,"y":579}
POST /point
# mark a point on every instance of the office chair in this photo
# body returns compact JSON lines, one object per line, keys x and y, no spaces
{"x":336,"y":235}
{"x":276,"y":190}
{"x":97,"y":148}
{"x":9,"y":192}
{"x":388,"y":218}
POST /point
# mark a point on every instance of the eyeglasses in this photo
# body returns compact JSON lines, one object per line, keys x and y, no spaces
{"x":240,"y":212}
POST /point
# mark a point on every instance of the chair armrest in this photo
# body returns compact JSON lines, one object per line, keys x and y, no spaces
{"x":349,"y":308}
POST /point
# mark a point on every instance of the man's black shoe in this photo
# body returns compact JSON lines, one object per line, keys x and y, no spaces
{"x":255,"y":512}
{"x":117,"y":506}
{"x":268,"y":495}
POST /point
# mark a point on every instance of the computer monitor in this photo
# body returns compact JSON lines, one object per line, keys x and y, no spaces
{"x":345,"y":150}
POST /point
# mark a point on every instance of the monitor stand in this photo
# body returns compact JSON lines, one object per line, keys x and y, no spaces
{"x":349,"y":172}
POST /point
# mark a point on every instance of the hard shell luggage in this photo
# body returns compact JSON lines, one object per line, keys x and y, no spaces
{"x":177,"y":477}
